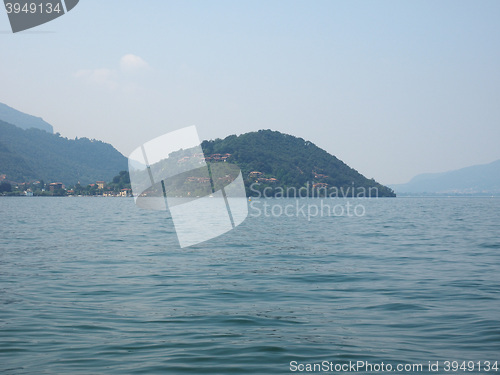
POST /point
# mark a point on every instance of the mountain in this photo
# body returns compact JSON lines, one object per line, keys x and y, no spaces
{"x":269,"y":160}
{"x":23,"y":120}
{"x":475,"y":180}
{"x":280,"y":161}
{"x":34,"y":154}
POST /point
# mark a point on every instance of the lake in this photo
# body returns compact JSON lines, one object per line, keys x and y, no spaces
{"x":99,"y":286}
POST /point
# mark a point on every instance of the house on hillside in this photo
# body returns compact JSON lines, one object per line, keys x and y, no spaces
{"x":319,"y":175}
{"x":125,"y":193}
{"x":271,"y":180}
{"x":55,"y":186}
{"x":183,"y":160}
{"x":200,"y":180}
{"x":320,"y":185}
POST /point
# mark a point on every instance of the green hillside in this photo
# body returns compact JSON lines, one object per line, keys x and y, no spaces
{"x":285,"y":161}
{"x":270,"y":161}
{"x":33,"y":154}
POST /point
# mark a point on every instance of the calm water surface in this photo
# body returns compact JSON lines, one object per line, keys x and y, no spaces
{"x":98,"y":286}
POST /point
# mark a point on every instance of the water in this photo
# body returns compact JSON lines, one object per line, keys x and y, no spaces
{"x":97,"y":286}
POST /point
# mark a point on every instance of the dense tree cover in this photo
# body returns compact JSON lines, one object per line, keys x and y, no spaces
{"x":120,"y":181}
{"x":284,"y":163}
{"x":33,"y":154}
{"x":294,"y":162}
{"x":5,"y":187}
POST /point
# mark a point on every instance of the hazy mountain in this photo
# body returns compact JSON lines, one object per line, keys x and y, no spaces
{"x":23,"y":120}
{"x":278,"y":160}
{"x":478,"y":179}
{"x":33,"y":154}
{"x":293,"y":162}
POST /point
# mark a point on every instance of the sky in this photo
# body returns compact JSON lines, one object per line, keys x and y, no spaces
{"x":392,"y":88}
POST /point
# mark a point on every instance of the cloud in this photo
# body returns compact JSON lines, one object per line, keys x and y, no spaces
{"x":114,"y":78}
{"x":101,"y":77}
{"x":132,"y":62}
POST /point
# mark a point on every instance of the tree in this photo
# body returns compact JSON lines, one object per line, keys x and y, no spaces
{"x":5,"y":187}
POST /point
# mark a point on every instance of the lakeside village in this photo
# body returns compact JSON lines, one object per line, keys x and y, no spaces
{"x":120,"y":185}
{"x":58,"y":189}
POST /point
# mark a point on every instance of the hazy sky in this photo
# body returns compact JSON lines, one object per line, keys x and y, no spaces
{"x":392,"y":88}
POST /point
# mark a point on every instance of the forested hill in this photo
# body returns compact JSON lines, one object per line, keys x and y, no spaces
{"x":280,"y":161}
{"x":33,"y":154}
{"x":268,"y":160}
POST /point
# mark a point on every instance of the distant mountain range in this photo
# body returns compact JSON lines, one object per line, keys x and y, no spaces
{"x":29,"y":151}
{"x":271,"y":159}
{"x":475,"y":180}
{"x":268,"y":159}
{"x":33,"y":154}
{"x":23,"y":120}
